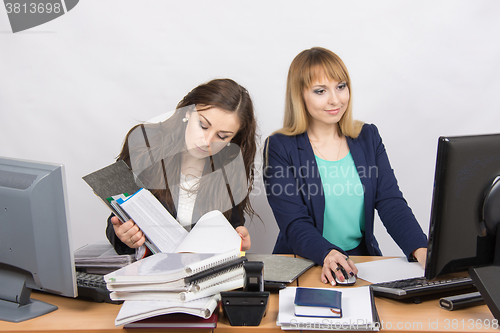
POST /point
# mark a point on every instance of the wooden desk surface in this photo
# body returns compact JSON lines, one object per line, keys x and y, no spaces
{"x":75,"y":315}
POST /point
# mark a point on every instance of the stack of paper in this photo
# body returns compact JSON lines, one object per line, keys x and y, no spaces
{"x":167,"y":283}
{"x":358,"y":312}
{"x":100,"y":258}
{"x":185,"y":267}
{"x":134,"y":313}
{"x":176,"y":320}
{"x":177,"y":276}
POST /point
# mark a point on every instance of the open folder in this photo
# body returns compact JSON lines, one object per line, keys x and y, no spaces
{"x":281,"y":269}
{"x":211,"y":234}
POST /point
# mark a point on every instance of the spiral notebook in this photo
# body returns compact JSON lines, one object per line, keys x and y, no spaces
{"x":176,"y":320}
{"x":194,"y":282}
{"x":229,"y":281}
{"x":167,"y":267}
{"x":133,"y":311}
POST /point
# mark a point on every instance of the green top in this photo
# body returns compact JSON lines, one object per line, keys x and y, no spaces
{"x":344,"y":220}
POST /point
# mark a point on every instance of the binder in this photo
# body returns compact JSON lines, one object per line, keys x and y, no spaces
{"x":233,"y":280}
{"x":133,"y":311}
{"x":206,"y":277}
{"x":194,"y":282}
{"x":167,"y":267}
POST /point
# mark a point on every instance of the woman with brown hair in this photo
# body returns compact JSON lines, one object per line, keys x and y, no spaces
{"x":325,"y":174}
{"x":197,"y":160}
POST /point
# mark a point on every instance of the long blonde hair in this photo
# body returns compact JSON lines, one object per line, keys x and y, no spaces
{"x":306,"y":68}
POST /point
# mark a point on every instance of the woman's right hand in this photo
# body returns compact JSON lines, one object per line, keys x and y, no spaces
{"x":128,"y":232}
{"x":332,"y":260}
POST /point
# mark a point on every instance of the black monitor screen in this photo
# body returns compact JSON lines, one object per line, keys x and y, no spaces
{"x":466,"y":168}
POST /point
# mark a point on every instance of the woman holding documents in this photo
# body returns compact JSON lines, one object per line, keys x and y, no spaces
{"x":326,"y":173}
{"x":195,"y":160}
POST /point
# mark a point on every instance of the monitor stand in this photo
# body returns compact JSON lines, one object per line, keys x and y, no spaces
{"x":486,"y":281}
{"x":486,"y":278}
{"x":15,"y":303}
{"x":16,"y":313}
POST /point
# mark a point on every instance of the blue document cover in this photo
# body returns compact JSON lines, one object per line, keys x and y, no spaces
{"x":316,"y":302}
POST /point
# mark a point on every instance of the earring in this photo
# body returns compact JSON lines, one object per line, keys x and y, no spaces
{"x":228,"y":144}
{"x":184,"y":119}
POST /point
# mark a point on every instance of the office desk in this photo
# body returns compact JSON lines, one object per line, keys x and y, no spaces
{"x":76,"y":315}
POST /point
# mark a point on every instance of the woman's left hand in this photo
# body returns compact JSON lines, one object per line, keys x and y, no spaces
{"x":245,"y":238}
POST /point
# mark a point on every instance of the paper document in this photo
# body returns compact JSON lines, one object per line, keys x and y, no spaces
{"x":101,"y":254}
{"x":211,"y":234}
{"x":166,"y":267}
{"x":154,"y":220}
{"x":137,"y":310}
{"x":389,"y":270}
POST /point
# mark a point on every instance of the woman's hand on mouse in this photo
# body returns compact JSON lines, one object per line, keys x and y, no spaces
{"x":128,"y":232}
{"x":330,"y":267}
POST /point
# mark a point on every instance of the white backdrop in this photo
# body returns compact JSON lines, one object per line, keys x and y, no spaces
{"x":71,"y":88}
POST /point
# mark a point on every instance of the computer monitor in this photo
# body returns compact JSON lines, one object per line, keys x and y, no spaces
{"x":466,"y":174}
{"x":35,"y":238}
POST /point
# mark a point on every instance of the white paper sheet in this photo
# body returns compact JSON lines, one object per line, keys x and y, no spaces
{"x":389,"y":270}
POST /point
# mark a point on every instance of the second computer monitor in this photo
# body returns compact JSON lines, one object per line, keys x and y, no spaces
{"x":35,"y":238}
{"x":466,"y":168}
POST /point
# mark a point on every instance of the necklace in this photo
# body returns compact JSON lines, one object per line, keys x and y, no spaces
{"x":323,"y":157}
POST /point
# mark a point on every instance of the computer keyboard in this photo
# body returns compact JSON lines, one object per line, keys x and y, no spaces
{"x":416,"y":287}
{"x":93,"y":287}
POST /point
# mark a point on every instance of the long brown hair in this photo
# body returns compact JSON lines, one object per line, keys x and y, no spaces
{"x":160,"y":164}
{"x":305,"y":68}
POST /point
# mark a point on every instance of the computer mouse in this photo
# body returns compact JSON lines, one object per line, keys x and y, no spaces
{"x":348,"y":280}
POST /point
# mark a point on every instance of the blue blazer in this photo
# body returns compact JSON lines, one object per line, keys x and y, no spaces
{"x":295,"y":194}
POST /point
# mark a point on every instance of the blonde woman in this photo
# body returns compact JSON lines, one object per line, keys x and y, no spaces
{"x":325,"y":174}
